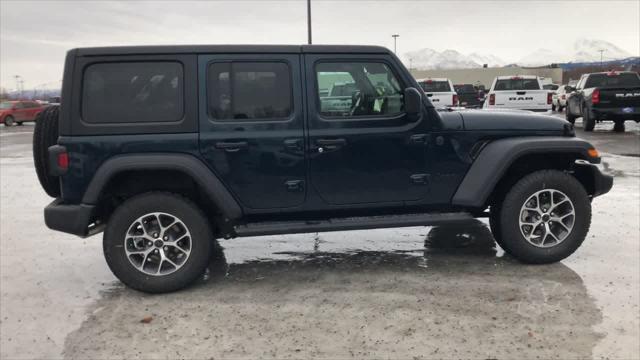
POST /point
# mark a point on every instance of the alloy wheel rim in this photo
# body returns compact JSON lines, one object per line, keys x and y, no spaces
{"x":547,"y":218}
{"x":157,"y":244}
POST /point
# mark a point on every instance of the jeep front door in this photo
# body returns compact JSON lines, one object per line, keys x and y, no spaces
{"x":362,"y":147}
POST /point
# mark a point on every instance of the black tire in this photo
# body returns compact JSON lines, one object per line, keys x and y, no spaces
{"x":511,"y":234}
{"x":588,"y":121}
{"x":45,"y":135}
{"x":570,"y":118}
{"x":201,"y":242}
{"x":553,"y":107}
{"x":19,"y":123}
{"x":9,"y":121}
{"x":618,"y":126}
{"x":560,"y":108}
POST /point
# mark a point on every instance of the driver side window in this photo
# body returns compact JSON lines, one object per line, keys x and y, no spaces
{"x":351,"y":89}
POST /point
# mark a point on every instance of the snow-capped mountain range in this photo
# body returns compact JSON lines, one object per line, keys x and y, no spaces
{"x":583,"y":50}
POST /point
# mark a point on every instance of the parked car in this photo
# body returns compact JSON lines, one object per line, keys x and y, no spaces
{"x":156,"y":147}
{"x":469,"y":96}
{"x":604,"y":96}
{"x":560,"y":98}
{"x":18,"y":112}
{"x":523,"y":92}
{"x":440,"y":91}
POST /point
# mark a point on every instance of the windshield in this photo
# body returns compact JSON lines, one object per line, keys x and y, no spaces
{"x":613,"y":80}
{"x":466,"y":88}
{"x":5,"y":105}
{"x":435,"y":86}
{"x":517,"y":84}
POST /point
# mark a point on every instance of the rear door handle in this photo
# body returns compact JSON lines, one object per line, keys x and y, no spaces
{"x":232,"y":146}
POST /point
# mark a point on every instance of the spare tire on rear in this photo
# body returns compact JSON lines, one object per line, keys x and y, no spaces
{"x":44,"y":136}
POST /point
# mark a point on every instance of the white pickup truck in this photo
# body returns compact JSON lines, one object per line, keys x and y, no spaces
{"x":440,"y":91}
{"x":523,"y":92}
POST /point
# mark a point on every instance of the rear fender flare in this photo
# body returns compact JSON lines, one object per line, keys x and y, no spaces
{"x":188,"y":164}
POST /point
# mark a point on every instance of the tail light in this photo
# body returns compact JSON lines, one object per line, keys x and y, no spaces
{"x":492,"y":99}
{"x":549,"y":98}
{"x":63,"y":161}
{"x":595,"y":96}
{"x":455,"y":100}
{"x":58,"y":160}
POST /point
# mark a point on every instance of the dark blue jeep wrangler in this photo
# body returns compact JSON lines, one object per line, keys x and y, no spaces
{"x":169,"y":147}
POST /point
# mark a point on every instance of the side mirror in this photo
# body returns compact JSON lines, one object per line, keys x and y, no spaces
{"x":412,"y":101}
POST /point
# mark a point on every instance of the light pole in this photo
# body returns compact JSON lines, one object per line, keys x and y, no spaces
{"x":309,"y":21}
{"x":395,"y":38}
{"x":601,"y":51}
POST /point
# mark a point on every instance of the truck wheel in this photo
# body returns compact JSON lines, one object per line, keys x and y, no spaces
{"x":545,"y":217}
{"x":45,"y":134}
{"x":8,"y":121}
{"x":553,"y":107}
{"x":158,"y":242}
{"x":588,"y":121}
{"x":618,"y":126}
{"x":570,"y":118}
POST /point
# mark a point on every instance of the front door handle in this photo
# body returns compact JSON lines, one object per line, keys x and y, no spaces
{"x":232,"y":146}
{"x":331,"y":142}
{"x":419,"y":138}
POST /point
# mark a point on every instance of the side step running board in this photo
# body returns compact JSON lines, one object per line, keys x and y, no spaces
{"x":353,"y":223}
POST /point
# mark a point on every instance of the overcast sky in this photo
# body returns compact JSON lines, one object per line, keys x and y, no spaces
{"x":34,"y":36}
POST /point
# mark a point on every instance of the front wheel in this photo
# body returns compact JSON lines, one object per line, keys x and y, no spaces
{"x":618,"y":126}
{"x":545,"y":217}
{"x":158,"y":242}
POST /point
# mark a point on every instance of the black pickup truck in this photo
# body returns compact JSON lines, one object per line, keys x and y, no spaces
{"x":603,"y":96}
{"x":469,"y":96}
{"x":167,"y":148}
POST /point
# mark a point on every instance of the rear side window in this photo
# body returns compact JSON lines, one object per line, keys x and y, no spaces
{"x":517,"y":84}
{"x":133,"y":92}
{"x":249,"y":90}
{"x":435,"y":86}
{"x":613,"y":80}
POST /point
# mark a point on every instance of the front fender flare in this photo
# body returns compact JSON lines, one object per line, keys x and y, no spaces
{"x":185,"y":163}
{"x":496,"y":158}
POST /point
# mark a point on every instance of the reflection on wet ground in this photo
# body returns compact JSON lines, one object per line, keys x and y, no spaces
{"x":453,"y":296}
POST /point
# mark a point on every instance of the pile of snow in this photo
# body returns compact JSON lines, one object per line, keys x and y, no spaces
{"x":448,"y":59}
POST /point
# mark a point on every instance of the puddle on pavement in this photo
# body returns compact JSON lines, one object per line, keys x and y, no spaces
{"x":441,"y":291}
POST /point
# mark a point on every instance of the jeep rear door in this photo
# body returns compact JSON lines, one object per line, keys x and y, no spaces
{"x":251,"y":127}
{"x":367,"y":150}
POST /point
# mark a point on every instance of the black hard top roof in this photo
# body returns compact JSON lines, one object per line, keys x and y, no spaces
{"x":196,"y":49}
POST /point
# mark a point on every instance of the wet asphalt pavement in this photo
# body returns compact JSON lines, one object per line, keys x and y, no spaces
{"x":419,"y":292}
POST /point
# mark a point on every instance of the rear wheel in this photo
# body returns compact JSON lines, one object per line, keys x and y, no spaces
{"x":618,"y":126}
{"x":553,"y":107}
{"x":9,"y":121}
{"x":19,"y":123}
{"x":588,"y":121}
{"x":158,"y":242}
{"x":545,"y":217}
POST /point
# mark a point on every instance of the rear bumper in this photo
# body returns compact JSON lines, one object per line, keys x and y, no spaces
{"x":72,"y":219}
{"x":617,"y":113}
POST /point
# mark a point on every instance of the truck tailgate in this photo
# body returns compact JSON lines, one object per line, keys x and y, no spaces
{"x":521,"y":99}
{"x":620,"y":97}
